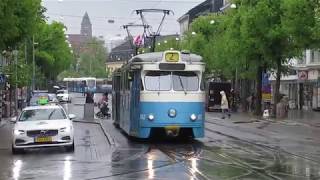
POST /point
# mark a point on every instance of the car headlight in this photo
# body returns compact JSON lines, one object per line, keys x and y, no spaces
{"x":193,"y":117}
{"x":65,"y":129}
{"x":172,"y":113}
{"x":18,"y":132}
{"x":151,"y":117}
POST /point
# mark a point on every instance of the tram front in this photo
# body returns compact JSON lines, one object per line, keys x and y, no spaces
{"x":172,"y":96}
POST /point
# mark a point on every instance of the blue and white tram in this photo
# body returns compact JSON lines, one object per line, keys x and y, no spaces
{"x":87,"y":84}
{"x":160,"y":91}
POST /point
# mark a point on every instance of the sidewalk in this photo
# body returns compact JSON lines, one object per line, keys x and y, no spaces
{"x":3,"y":122}
{"x":295,"y":117}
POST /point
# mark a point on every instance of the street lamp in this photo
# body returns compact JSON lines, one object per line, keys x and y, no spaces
{"x":33,"y":64}
{"x":212,"y":22}
{"x":193,"y":33}
{"x":233,"y":6}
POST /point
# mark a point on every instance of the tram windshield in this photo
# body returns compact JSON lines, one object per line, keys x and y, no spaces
{"x":165,"y":81}
{"x":158,"y":81}
{"x":90,"y":83}
{"x":185,"y":81}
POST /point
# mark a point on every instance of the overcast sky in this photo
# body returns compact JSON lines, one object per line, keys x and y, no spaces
{"x":70,"y":12}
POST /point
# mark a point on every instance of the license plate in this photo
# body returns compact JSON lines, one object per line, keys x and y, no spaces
{"x":172,"y":127}
{"x":43,"y":139}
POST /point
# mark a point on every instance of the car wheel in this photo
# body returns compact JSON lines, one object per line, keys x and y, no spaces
{"x":70,"y":148}
{"x":17,"y":151}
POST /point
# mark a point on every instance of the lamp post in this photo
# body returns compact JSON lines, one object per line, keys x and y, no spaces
{"x":15,"y":54}
{"x":33,"y":64}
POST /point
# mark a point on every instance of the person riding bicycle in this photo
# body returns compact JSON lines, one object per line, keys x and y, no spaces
{"x":103,"y":104}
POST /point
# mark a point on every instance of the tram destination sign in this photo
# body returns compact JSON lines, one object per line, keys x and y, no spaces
{"x":171,"y":67}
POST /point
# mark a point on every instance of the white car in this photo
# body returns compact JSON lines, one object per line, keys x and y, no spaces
{"x":43,"y":126}
{"x":63,"y":96}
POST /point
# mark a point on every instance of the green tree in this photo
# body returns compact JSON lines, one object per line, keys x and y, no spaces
{"x":93,"y":59}
{"x":53,"y":54}
{"x":17,"y":20}
{"x":260,"y":35}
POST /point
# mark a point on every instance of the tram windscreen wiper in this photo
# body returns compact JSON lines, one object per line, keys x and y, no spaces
{"x":185,"y":91}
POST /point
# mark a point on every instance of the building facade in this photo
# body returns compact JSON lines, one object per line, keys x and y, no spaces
{"x":118,"y":56}
{"x":208,"y":6}
{"x":302,"y":85}
{"x":78,"y":41}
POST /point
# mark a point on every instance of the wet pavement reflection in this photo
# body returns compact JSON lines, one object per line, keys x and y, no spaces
{"x":217,"y":156}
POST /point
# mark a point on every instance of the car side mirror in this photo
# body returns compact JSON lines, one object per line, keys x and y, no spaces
{"x":13,"y":120}
{"x":72,"y":116}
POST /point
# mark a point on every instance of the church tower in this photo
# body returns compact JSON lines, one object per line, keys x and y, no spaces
{"x":86,"y":26}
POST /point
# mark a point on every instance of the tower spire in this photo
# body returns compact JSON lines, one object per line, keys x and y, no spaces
{"x":86,"y":26}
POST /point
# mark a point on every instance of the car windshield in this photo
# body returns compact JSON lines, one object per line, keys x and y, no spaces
{"x":42,"y":114}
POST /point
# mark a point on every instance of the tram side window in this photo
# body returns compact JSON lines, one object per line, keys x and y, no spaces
{"x":185,"y":81}
{"x":157,"y":81}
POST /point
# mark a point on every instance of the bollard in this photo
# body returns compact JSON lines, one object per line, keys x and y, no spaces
{"x":88,"y":111}
{"x":266,"y":114}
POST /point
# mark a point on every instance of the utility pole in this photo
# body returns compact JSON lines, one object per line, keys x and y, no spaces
{"x":33,"y":65}
{"x":15,"y":53}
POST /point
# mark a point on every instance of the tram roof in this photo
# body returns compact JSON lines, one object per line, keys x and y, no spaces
{"x":158,"y":57}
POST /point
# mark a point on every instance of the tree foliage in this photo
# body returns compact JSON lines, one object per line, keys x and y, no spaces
{"x":91,"y":61}
{"x":260,"y":35}
{"x":17,"y":20}
{"x":53,"y":54}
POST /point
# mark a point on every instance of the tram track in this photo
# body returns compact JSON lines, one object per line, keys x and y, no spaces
{"x":260,"y":170}
{"x":277,"y":149}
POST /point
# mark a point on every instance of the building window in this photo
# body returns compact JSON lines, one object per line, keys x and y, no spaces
{"x":312,"y":56}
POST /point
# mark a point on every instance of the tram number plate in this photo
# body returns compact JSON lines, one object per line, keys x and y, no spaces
{"x":43,"y":139}
{"x":172,"y":127}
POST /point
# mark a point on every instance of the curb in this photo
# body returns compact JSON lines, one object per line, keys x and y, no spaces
{"x":109,"y":137}
{"x":3,"y":122}
{"x":106,"y":134}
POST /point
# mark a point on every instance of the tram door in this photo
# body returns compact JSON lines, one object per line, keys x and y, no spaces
{"x":116,"y":99}
{"x":135,"y":84}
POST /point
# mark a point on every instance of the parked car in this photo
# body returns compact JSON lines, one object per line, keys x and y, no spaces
{"x":63,"y":96}
{"x":42,"y":126}
{"x":39,"y":98}
{"x":53,"y":98}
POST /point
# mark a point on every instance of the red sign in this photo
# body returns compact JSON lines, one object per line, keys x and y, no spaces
{"x":303,"y":75}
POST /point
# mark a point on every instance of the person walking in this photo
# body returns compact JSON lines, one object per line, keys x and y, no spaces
{"x":224,"y":105}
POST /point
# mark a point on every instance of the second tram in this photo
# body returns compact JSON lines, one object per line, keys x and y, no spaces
{"x":161,"y":91}
{"x":80,"y":85}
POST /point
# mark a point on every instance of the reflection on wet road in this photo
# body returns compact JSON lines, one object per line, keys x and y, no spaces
{"x":218,"y":156}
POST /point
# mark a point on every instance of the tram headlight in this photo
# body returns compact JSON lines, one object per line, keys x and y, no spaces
{"x":172,"y":113}
{"x":193,"y":117}
{"x":151,"y":117}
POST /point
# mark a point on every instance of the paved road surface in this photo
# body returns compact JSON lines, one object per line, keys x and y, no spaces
{"x":229,"y":151}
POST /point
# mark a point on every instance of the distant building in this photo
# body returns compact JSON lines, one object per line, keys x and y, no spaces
{"x":124,"y":52}
{"x":78,"y":41}
{"x":206,"y":7}
{"x":86,"y":26}
{"x":302,"y":84}
{"x":118,"y":56}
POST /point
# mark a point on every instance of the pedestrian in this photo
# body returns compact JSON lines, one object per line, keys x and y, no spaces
{"x":224,"y":105}
{"x":252,"y":105}
{"x":89,"y":98}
